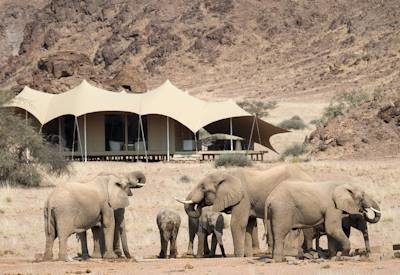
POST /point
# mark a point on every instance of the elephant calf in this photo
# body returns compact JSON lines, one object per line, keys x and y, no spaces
{"x":168,"y":223}
{"x":357,"y":221}
{"x":211,"y":222}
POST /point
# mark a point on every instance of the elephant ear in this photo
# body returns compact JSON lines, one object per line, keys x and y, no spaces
{"x":117,"y":196}
{"x":342,"y":196}
{"x":229,"y":193}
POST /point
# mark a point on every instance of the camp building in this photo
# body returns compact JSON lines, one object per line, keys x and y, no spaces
{"x":90,"y":123}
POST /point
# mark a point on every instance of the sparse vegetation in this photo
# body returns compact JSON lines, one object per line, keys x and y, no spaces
{"x":342,"y":102}
{"x":24,"y":152}
{"x":8,"y":200}
{"x":185,"y":179}
{"x":234,"y":159}
{"x":295,"y":123}
{"x":257,"y":107}
{"x":294,"y":150}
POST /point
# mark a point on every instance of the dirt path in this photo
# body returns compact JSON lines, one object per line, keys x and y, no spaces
{"x":198,"y":266}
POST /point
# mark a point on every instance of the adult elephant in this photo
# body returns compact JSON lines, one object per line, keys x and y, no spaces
{"x":137,"y":179}
{"x":76,"y":207}
{"x":241,"y":192}
{"x":301,"y":204}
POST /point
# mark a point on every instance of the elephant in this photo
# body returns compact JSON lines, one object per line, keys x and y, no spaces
{"x":76,"y":207}
{"x":305,"y":204}
{"x":211,"y":222}
{"x":168,"y":223}
{"x":241,"y":192}
{"x":357,"y":221}
{"x":119,"y":218}
{"x":193,"y":231}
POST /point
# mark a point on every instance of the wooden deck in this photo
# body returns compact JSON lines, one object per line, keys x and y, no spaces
{"x":158,"y":156}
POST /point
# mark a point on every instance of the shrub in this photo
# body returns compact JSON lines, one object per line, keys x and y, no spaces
{"x":342,"y":102}
{"x":185,"y":179}
{"x":24,"y":151}
{"x":294,"y":150}
{"x":257,"y":107}
{"x":233,"y":159}
{"x":295,"y":123}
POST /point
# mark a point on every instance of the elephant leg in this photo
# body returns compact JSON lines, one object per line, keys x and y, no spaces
{"x":363,"y":227}
{"x":98,"y":242}
{"x":333,"y":228}
{"x":120,"y":232}
{"x":239,"y":219}
{"x":192,"y":233}
{"x":164,"y":246}
{"x":280,"y":224}
{"x":62,"y":255}
{"x":213,"y":245}
{"x":206,"y":246}
{"x":333,"y":246}
{"x":83,"y":240}
{"x":308,"y":239}
{"x":254,"y":238}
{"x":108,"y":224}
{"x":268,"y":234}
{"x":172,"y":248}
{"x":248,"y":251}
{"x":50,"y":237}
{"x":202,"y":239}
{"x":124,"y":241}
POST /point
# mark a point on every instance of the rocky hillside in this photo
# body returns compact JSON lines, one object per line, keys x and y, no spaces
{"x":371,"y":130}
{"x":225,"y":48}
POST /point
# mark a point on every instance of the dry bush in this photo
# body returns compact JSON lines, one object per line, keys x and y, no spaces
{"x":24,"y":151}
{"x":295,"y":123}
{"x":294,"y":150}
{"x":257,"y":107}
{"x":234,"y":159}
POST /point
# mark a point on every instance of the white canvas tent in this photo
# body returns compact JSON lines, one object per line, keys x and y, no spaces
{"x":167,"y":101}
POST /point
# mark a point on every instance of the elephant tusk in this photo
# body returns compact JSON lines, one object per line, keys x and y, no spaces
{"x":376,"y":210}
{"x":184,"y":201}
{"x":140,"y":184}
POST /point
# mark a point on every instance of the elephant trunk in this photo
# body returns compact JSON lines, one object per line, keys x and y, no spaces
{"x":192,"y":211}
{"x":377,"y":213}
{"x":194,"y":203}
{"x":140,"y":179}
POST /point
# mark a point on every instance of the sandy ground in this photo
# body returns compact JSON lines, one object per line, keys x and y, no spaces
{"x":22,"y":236}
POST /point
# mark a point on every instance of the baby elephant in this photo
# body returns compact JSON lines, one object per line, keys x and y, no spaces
{"x":168,"y":223}
{"x":210,"y":222}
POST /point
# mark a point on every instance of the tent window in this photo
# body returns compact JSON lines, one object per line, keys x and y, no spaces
{"x":114,"y":132}
{"x":51,"y":132}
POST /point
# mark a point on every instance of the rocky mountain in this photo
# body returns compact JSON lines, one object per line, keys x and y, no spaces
{"x":252,"y":48}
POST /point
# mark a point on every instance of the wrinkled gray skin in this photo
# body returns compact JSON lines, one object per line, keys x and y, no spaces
{"x":357,"y":221}
{"x":193,"y":230}
{"x":241,"y":192}
{"x":119,"y":217}
{"x":168,"y":223}
{"x":210,"y":222}
{"x":299,"y":205}
{"x":76,"y":207}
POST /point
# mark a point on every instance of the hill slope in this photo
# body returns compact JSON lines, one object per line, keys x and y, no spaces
{"x":225,"y":48}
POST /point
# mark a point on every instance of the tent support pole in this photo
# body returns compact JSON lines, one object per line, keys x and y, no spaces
{"x":26,"y":117}
{"x":59,"y":134}
{"x":138,"y":138}
{"x":167,"y":138}
{"x":144,"y":141}
{"x":85,"y":136}
{"x":79,"y":137}
{"x":73,"y":141}
{"x":195,"y":141}
{"x":126,"y":132}
{"x":231,"y":132}
{"x":258,"y":132}
{"x":251,"y":133}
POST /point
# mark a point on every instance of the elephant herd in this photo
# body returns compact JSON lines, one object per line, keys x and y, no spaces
{"x":285,"y":197}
